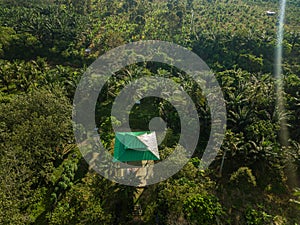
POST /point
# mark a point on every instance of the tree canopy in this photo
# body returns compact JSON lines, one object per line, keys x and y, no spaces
{"x":45,"y":48}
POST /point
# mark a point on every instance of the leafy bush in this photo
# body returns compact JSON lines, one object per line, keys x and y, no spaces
{"x":257,"y":217}
{"x":244,"y":177}
{"x":202,"y":209}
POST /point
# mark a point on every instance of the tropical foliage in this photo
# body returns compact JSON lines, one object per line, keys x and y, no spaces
{"x":46,"y":46}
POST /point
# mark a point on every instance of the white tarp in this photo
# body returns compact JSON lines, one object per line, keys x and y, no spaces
{"x":150,"y":141}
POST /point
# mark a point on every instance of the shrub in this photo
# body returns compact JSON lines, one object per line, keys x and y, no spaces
{"x":244,"y":177}
{"x":202,"y":209}
{"x":257,"y":217}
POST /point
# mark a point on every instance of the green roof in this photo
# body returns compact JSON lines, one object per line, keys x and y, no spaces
{"x":135,"y":146}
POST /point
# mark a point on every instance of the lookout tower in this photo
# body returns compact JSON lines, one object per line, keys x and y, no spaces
{"x":138,"y":149}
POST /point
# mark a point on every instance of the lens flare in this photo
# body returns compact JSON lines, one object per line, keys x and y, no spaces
{"x":284,"y":135}
{"x":279,"y":76}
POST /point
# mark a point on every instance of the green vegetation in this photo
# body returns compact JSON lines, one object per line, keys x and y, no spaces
{"x":43,"y":176}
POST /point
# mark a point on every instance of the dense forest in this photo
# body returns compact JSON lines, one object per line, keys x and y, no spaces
{"x":47,"y":45}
